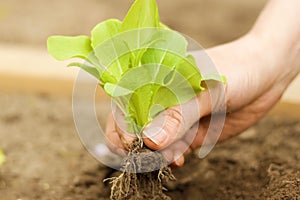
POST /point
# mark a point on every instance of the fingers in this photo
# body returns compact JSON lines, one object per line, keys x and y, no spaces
{"x":113,"y":140}
{"x":173,"y":123}
{"x":164,"y":129}
{"x":194,"y":138}
{"x":234,"y":124}
{"x":175,"y":153}
{"x":178,"y":162}
{"x":118,"y":139}
{"x":125,"y":137}
{"x":121,"y":128}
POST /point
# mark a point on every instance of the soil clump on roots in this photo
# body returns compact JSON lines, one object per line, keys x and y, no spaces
{"x":143,"y":174}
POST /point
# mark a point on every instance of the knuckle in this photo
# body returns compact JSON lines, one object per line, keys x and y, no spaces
{"x":174,"y":116}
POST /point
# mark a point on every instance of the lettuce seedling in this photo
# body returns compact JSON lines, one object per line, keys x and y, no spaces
{"x":140,"y":62}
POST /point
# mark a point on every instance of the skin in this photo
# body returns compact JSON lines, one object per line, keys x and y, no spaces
{"x":258,"y":66}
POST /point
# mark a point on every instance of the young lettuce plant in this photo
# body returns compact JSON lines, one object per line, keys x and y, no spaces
{"x":144,"y":67}
{"x":140,"y":63}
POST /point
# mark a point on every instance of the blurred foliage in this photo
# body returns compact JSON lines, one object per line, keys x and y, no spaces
{"x":2,"y":157}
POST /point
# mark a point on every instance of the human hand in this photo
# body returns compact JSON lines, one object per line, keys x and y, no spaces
{"x":254,"y":84}
{"x":257,"y":75}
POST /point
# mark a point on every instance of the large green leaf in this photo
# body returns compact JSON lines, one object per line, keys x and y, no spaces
{"x":104,"y":31}
{"x":113,"y":54}
{"x":169,"y":49}
{"x":165,"y":98}
{"x":190,"y":73}
{"x":125,"y":50}
{"x":140,"y":103}
{"x":89,"y":69}
{"x":182,"y":65}
{"x":170,"y":41}
{"x":64,"y":47}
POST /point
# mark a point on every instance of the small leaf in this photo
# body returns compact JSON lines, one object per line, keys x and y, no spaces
{"x":89,"y":69}
{"x":141,"y":102}
{"x":116,"y":90}
{"x":64,"y":47}
{"x":107,"y":77}
{"x":214,"y":77}
{"x":104,"y":31}
{"x":114,"y":55}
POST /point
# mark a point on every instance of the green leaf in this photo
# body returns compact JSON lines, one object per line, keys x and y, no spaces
{"x":116,"y":90}
{"x":107,"y":77}
{"x":91,"y":70}
{"x":165,"y":98}
{"x":170,"y":41}
{"x":104,"y":31}
{"x":64,"y":47}
{"x":150,"y":85}
{"x":2,"y":157}
{"x":142,"y":14}
{"x":214,"y":77}
{"x":140,"y":104}
{"x":162,"y":25}
{"x":114,"y":55}
{"x":181,"y":65}
{"x":169,"y":78}
{"x":168,"y":51}
{"x":191,"y":73}
{"x":160,"y":57}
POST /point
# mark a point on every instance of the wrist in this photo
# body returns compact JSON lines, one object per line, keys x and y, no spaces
{"x":277,"y":31}
{"x":281,"y":60}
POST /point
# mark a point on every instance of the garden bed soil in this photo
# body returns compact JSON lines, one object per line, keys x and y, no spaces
{"x":45,"y":159}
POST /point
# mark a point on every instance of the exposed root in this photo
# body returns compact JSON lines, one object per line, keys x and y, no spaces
{"x":143,"y":175}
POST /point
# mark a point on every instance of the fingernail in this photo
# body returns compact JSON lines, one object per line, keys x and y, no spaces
{"x":156,"y":135}
{"x":177,"y":158}
{"x":177,"y":163}
{"x":168,"y":155}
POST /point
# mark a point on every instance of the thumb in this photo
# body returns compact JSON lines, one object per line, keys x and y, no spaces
{"x":173,"y":123}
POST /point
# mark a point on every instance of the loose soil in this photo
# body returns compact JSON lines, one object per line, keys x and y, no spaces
{"x":45,"y":159}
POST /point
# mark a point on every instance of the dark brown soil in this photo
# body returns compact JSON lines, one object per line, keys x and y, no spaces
{"x":45,"y":159}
